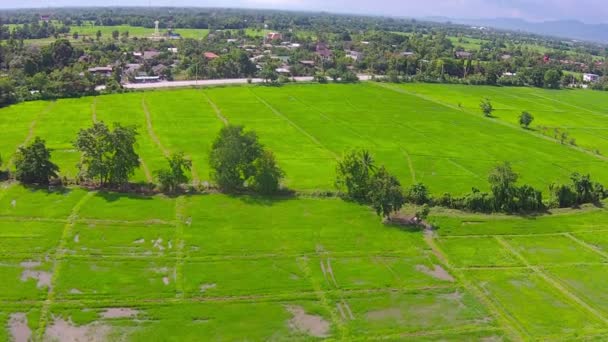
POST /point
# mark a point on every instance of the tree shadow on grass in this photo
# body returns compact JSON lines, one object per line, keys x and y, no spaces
{"x":110,"y":196}
{"x":48,"y":189}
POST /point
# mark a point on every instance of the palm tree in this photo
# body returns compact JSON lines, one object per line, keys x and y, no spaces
{"x":367,"y":160}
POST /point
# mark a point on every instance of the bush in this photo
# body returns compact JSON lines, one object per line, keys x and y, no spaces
{"x":418,"y":194}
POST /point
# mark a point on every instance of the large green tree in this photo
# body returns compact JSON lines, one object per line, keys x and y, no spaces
{"x":353,"y":175}
{"x":502,"y":182}
{"x":232,"y":155}
{"x":108,"y":156}
{"x":386,"y":195}
{"x":33,"y":163}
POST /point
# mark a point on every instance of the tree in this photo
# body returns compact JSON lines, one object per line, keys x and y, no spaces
{"x":267,"y":175}
{"x":269,"y":73}
{"x":502,"y":182}
{"x":115,"y":34}
{"x":422,"y":213}
{"x":98,"y":34}
{"x":418,"y":194}
{"x":583,"y":187}
{"x":353,"y":175}
{"x":385,"y":195}
{"x":33,"y":164}
{"x":171,"y":178}
{"x":525,"y":119}
{"x":552,"y":78}
{"x":7,"y":93}
{"x":486,"y":107}
{"x":108,"y":156}
{"x":232,"y":156}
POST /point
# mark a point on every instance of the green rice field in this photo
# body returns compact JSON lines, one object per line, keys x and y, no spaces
{"x":93,"y":265}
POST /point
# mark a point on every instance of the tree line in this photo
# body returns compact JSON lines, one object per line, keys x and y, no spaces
{"x":240,"y":163}
{"x":359,"y":179}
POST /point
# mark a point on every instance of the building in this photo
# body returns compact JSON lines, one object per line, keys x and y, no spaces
{"x":323,"y":51}
{"x":210,"y":55}
{"x":146,"y":79}
{"x":591,"y":78}
{"x":102,"y":71}
{"x":172,"y":50}
{"x":272,"y":36}
{"x":354,"y":55}
{"x":463,"y":55}
{"x":45,"y":17}
{"x":150,"y":54}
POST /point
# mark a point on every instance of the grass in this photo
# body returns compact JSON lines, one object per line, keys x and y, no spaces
{"x":233,"y":267}
{"x":418,"y":131}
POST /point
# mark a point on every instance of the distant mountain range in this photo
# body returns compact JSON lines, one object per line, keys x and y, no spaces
{"x":572,"y":29}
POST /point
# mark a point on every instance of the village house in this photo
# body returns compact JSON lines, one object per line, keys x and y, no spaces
{"x":210,"y":55}
{"x":463,"y":55}
{"x":354,"y":55}
{"x":591,"y":78}
{"x":273,"y":36}
{"x":101,"y":71}
{"x":323,"y":51}
{"x":150,"y":54}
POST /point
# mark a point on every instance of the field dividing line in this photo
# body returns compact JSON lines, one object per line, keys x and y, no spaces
{"x":32,"y":129}
{"x":410,"y":165}
{"x":586,"y":245}
{"x":94,"y":110}
{"x":570,"y":105}
{"x":499,"y":122}
{"x":146,"y":170}
{"x":151,"y":132}
{"x":430,"y":333}
{"x":509,"y":324}
{"x":215,"y":108}
{"x":180,"y":220}
{"x":60,"y":253}
{"x":324,"y":301}
{"x":556,"y":285}
{"x":293,"y":124}
{"x":328,"y":118}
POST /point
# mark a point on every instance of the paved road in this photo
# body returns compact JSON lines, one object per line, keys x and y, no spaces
{"x":203,"y":83}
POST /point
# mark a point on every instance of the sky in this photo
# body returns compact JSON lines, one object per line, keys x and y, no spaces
{"x":588,"y":11}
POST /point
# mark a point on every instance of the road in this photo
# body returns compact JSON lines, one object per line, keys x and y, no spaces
{"x":204,"y":83}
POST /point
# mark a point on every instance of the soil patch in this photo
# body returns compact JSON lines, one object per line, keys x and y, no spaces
{"x":206,"y":287}
{"x":437,"y":272}
{"x":30,"y":264}
{"x":310,"y":324}
{"x":18,"y":328}
{"x":119,"y":313}
{"x":378,"y":315}
{"x":43,"y":278}
{"x":66,"y":331}
{"x":166,"y":280}
{"x":75,"y":291}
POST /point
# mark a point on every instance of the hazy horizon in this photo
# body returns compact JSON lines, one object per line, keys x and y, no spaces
{"x":588,"y":11}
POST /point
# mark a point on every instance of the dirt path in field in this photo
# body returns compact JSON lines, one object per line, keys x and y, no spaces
{"x":180,"y":221}
{"x":556,"y":284}
{"x":216,"y":109}
{"x":511,"y":326}
{"x":146,"y":170}
{"x":94,"y":110}
{"x":119,"y":313}
{"x":151,"y":131}
{"x":410,"y":165}
{"x":60,"y":253}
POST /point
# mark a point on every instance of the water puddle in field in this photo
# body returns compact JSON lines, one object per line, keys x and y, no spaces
{"x":43,"y":278}
{"x":119,"y":313}
{"x":166,"y":280}
{"x":437,"y":272}
{"x":75,"y":291}
{"x":62,"y":330}
{"x":77,"y":238}
{"x":18,"y":328}
{"x":310,"y":324}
